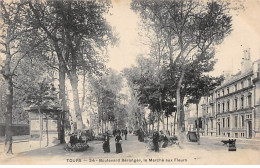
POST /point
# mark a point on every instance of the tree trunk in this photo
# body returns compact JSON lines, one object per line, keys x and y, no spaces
{"x":83,"y":90}
{"x":163,"y":121}
{"x":167,"y":122}
{"x":47,"y":132}
{"x":6,"y":71}
{"x":8,"y":116}
{"x":158,"y":125}
{"x":174,"y":123}
{"x":198,"y":132}
{"x":74,"y":84}
{"x":62,"y":97}
{"x":179,"y":110}
{"x":102,"y":125}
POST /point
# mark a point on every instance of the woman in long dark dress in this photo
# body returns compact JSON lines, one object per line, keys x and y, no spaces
{"x":106,"y":145}
{"x":118,"y":141}
{"x":156,"y":141}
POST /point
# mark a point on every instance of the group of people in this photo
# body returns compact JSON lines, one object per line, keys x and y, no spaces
{"x":78,"y":137}
{"x":141,"y":135}
{"x":122,"y":132}
{"x":118,"y":140}
{"x":160,"y":137}
{"x":157,"y":138}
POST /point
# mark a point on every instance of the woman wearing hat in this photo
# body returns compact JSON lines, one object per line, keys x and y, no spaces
{"x":118,"y":141}
{"x":106,"y":144}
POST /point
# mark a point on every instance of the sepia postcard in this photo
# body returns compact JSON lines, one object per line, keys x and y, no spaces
{"x":129,"y":82}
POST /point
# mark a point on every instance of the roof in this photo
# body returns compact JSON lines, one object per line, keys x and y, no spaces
{"x":46,"y":106}
{"x":236,"y":78}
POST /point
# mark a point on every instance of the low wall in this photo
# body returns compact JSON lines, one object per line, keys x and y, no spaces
{"x":17,"y":129}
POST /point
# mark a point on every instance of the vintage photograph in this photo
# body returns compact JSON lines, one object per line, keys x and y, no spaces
{"x":129,"y":82}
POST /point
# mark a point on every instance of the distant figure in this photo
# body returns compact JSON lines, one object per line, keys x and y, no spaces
{"x":156,"y":141}
{"x":118,"y":141}
{"x":138,"y":134}
{"x":125,"y":132}
{"x":165,"y":141}
{"x":141,"y":133}
{"x":118,"y":132}
{"x":168,"y":133}
{"x":106,"y":145}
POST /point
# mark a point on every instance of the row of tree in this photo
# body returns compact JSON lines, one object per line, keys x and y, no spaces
{"x":110,"y":100}
{"x":44,"y":39}
{"x":182,"y":36}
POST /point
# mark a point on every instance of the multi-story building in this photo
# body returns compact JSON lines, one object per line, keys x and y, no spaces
{"x":233,"y":107}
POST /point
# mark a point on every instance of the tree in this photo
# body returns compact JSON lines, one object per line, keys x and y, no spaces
{"x":192,"y":28}
{"x":150,"y":89}
{"x":200,"y":86}
{"x":79,"y":33}
{"x":107,"y":92}
{"x":14,"y":33}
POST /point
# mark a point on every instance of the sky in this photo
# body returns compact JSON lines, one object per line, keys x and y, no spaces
{"x":245,"y":34}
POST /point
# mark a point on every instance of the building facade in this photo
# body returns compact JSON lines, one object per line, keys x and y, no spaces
{"x":232,"y":109}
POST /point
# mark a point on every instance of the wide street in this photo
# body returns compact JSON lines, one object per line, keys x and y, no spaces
{"x":210,"y":151}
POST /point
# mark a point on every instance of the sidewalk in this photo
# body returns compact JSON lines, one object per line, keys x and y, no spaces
{"x":16,"y":138}
{"x":226,"y":138}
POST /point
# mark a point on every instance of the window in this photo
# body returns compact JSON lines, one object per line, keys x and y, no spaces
{"x":223,"y":93}
{"x":249,"y":81}
{"x":218,"y":94}
{"x":235,"y":87}
{"x":223,"y":122}
{"x":249,"y":101}
{"x":236,"y":104}
{"x":235,"y":121}
{"x":223,"y":107}
{"x":212,"y":123}
{"x":227,"y":90}
{"x":242,"y":102}
{"x":242,"y":121}
{"x":228,"y":105}
{"x":242,"y":84}
{"x":218,"y":107}
{"x":228,"y":122}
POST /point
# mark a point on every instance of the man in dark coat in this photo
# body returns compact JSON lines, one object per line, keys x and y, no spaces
{"x":125,"y":132}
{"x":138,"y":134}
{"x":119,"y":132}
{"x":73,"y":139}
{"x":114,"y":132}
{"x":141,"y":139}
{"x":156,"y":141}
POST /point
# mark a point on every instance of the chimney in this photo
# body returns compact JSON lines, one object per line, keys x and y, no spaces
{"x":246,"y":63}
{"x":227,"y":75}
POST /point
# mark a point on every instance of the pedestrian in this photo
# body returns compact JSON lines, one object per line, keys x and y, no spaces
{"x":118,"y":132}
{"x":141,"y":135}
{"x":125,"y":132}
{"x":118,"y":141}
{"x":138,"y":134}
{"x":114,"y":132}
{"x":156,"y":141}
{"x":106,"y":144}
{"x":165,"y":141}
